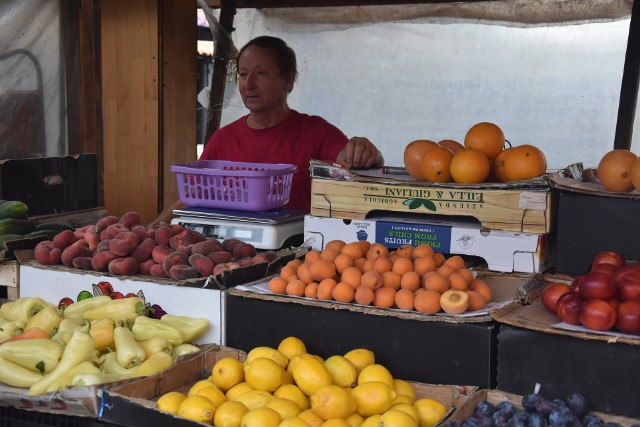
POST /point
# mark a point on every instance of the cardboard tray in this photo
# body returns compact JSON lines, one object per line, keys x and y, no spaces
{"x":508,"y":290}
{"x":133,"y":404}
{"x":467,"y":409}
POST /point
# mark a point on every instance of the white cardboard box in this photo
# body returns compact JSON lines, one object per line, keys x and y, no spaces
{"x":53,"y":284}
{"x":503,"y":251}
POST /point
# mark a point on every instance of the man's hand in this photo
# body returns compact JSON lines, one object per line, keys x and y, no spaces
{"x":360,"y":153}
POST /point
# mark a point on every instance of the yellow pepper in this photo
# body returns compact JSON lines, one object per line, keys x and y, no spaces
{"x":191,"y":328}
{"x":40,"y":354}
{"x":11,"y":328}
{"x":145,"y":328}
{"x":110,"y":365}
{"x":48,"y":319}
{"x":83,"y":380}
{"x":66,"y":328}
{"x":154,"y":345}
{"x":23,"y":308}
{"x":184,"y":348}
{"x":153,"y":365}
{"x":128,"y":351}
{"x":102,"y":331}
{"x":17,"y":376}
{"x":77,"y":309}
{"x":122,"y":311}
{"x":66,"y":379}
{"x":79,"y":349}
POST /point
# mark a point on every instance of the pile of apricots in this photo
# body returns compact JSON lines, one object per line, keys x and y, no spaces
{"x":408,"y":278}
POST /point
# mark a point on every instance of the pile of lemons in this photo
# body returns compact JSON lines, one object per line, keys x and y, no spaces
{"x":288,"y":387}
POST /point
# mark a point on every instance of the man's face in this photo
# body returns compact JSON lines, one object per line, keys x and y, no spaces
{"x":261,"y":85}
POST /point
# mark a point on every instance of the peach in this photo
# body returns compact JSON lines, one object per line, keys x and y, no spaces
{"x":220,"y":257}
{"x":105,"y":221}
{"x":157,"y":270}
{"x":79,"y":232}
{"x":92,"y":238}
{"x":46,"y":253}
{"x":202,"y":264}
{"x":74,"y":251}
{"x":183,"y":272}
{"x":123,"y":266}
{"x":124,"y":243}
{"x":163,"y":234}
{"x":103,"y":245}
{"x":210,"y":245}
{"x":230,"y":243}
{"x":143,"y":251}
{"x":64,"y":238}
{"x":101,"y":260}
{"x":174,"y":258}
{"x":113,"y":230}
{"x":244,"y":250}
{"x":82,"y":262}
{"x":144,"y":267}
{"x":140,"y":231}
{"x":159,"y":253}
{"x":130,"y":219}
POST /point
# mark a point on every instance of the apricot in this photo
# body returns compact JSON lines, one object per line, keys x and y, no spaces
{"x":352,"y":276}
{"x":384,"y":297}
{"x":404,"y":299}
{"x":364,"y":295}
{"x":322,"y":269}
{"x":482,"y":288}
{"x":422,"y":250}
{"x":296,"y":288}
{"x":391,"y":279}
{"x":278,"y":285}
{"x":343,"y":292}
{"x":458,"y":282}
{"x":424,"y":264}
{"x":342,"y":262}
{"x":410,"y":281}
{"x":476,"y":301}
{"x":303,"y":273}
{"x":434,"y":281}
{"x":427,"y":302}
{"x":329,"y":254}
{"x":335,"y":244}
{"x":372,"y":279}
{"x":454,"y":301}
{"x":375,"y":250}
{"x":325,"y":289}
{"x":311,"y":291}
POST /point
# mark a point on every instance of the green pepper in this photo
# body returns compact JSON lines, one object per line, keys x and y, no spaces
{"x":65,"y":380}
{"x":145,"y":328}
{"x":11,"y":328}
{"x":48,"y":319}
{"x":39,"y":354}
{"x":23,"y":308}
{"x":154,"y":345}
{"x":122,"y":311}
{"x":184,"y":348}
{"x":102,"y":331}
{"x":191,"y":328}
{"x":129,"y":352}
{"x":17,"y":376}
{"x":83,"y":380}
{"x":79,"y":349}
{"x":110,"y":365}
{"x":153,"y":365}
{"x":76,"y":310}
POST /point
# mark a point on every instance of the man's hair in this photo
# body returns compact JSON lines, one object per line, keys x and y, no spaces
{"x":285,"y":56}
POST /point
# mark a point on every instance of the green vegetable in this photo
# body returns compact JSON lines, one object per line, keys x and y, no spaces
{"x":17,"y":376}
{"x":122,"y":311}
{"x":39,"y":354}
{"x":9,"y":238}
{"x":145,"y":328}
{"x":76,"y":310}
{"x":191,"y":328}
{"x":23,"y":308}
{"x":48,"y":234}
{"x":14,"y":209}
{"x":53,"y":226}
{"x":129,"y":352}
{"x":16,"y":226}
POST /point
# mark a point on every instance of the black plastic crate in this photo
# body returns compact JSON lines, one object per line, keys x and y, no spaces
{"x":14,"y":417}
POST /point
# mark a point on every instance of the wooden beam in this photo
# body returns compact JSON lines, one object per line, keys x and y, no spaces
{"x":265,"y":4}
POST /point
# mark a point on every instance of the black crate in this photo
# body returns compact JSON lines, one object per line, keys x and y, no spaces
{"x":14,"y":417}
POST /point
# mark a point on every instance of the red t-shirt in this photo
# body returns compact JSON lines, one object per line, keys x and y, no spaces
{"x":296,"y":140}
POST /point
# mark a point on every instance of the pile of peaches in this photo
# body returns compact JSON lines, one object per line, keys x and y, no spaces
{"x":606,"y":297}
{"x":409,"y":278}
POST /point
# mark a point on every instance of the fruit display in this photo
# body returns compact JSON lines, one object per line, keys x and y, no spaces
{"x":606,"y":298}
{"x":482,"y":158}
{"x":93,"y":341}
{"x":619,"y":171}
{"x":124,"y":246}
{"x":287,"y":386}
{"x":409,"y":278}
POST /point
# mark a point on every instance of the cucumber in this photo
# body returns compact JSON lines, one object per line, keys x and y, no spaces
{"x":16,"y":226}
{"x":8,"y":238}
{"x":49,"y":234}
{"x":14,"y":209}
{"x":57,"y":226}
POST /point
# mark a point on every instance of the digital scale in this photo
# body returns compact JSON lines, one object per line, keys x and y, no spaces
{"x":268,"y":230}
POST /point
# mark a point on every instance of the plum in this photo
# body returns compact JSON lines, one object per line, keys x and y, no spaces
{"x":612,"y":424}
{"x":529,"y":401}
{"x":485,"y":408}
{"x":592,"y":421}
{"x":471,"y":422}
{"x":563,"y":417}
{"x":536,"y":420}
{"x":544,"y":407}
{"x":453,"y":423}
{"x":506,"y":408}
{"x":519,"y":419}
{"x":499,"y":418}
{"x":578,"y":404}
{"x":485,"y":420}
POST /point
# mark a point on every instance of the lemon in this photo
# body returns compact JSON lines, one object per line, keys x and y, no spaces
{"x":261,"y":417}
{"x":311,"y":418}
{"x":285,"y":407}
{"x":343,"y":372}
{"x":310,"y":374}
{"x":373,"y":398}
{"x":375,"y":372}
{"x":397,"y":418}
{"x":197,"y":408}
{"x":402,"y":398}
{"x":430,"y":411}
{"x":263,"y":374}
{"x":287,"y":377}
{"x":255,"y":398}
{"x":169,"y":402}
{"x":229,"y":414}
{"x":402,"y":387}
{"x":336,"y":422}
{"x":372,"y":421}
{"x":197,"y":386}
{"x":332,"y":401}
{"x":237,"y":390}
{"x":361,"y":357}
{"x":408,"y":408}
{"x":269,"y":353}
{"x":293,"y":393}
{"x":226,"y":373}
{"x":293,"y":422}
{"x":212,"y":393}
{"x":291,"y":347}
{"x":355,"y":419}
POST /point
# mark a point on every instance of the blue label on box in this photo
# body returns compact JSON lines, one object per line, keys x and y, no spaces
{"x":396,"y":234}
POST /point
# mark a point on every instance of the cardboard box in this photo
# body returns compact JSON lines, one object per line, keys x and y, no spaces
{"x":525,"y":207}
{"x":9,"y":278}
{"x":503,"y":251}
{"x":467,"y":409}
{"x":133,"y":404}
{"x":590,"y":220}
{"x":51,"y":184}
{"x":565,"y":361}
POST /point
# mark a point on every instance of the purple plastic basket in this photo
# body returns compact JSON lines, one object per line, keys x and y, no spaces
{"x":234,"y":185}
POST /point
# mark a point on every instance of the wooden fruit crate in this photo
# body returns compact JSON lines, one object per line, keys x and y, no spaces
{"x":338,"y":193}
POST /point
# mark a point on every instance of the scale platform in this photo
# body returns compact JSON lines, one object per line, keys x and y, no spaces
{"x":267,"y":230}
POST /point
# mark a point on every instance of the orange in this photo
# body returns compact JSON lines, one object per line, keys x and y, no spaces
{"x":480,"y":286}
{"x":404,"y":299}
{"x":476,"y":301}
{"x":427,"y":302}
{"x":434,"y":281}
{"x":452,"y":145}
{"x":424,"y":265}
{"x":311,"y":291}
{"x":384,"y":297}
{"x":410,"y":281}
{"x":325,"y":289}
{"x":343,"y":292}
{"x":372,"y":279}
{"x":278,"y":285}
{"x":322,"y":269}
{"x":435,"y":165}
{"x":354,"y":249}
{"x":391,"y":279}
{"x":524,"y":162}
{"x":342,"y":262}
{"x":402,"y":265}
{"x":635,"y":174}
{"x":413,"y":153}
{"x":296,"y":288}
{"x":423,"y":249}
{"x":470,"y":166}
{"x":364,"y":295}
{"x":486,"y":137}
{"x":614,"y":170}
{"x":352,"y":276}
{"x":497,"y":166}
